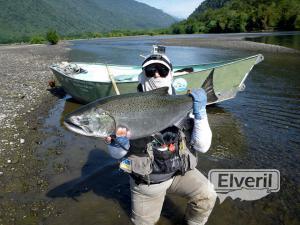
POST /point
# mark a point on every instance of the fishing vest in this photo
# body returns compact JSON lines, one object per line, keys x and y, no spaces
{"x":150,"y":165}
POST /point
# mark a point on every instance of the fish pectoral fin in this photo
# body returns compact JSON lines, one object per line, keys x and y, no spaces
{"x":160,"y":91}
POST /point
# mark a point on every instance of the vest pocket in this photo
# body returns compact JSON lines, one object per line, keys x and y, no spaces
{"x":166,"y":166}
{"x":140,"y":165}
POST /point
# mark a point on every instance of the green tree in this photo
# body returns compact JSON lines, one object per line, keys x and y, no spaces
{"x":52,"y":37}
{"x":37,"y":40}
{"x":242,"y":16}
{"x":178,"y":29}
{"x":192,"y":28}
{"x":297,"y":23}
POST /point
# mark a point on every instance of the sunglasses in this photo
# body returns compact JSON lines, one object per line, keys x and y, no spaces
{"x":153,"y":68}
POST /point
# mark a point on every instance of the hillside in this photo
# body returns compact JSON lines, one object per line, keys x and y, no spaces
{"x":211,"y":4}
{"x":215,"y":16}
{"x":20,"y":19}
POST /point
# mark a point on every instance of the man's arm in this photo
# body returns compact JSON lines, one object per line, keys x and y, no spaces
{"x":201,"y":135}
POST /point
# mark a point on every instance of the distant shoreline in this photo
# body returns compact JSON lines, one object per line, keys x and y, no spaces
{"x":208,"y":40}
{"x":237,"y":43}
{"x":223,"y":41}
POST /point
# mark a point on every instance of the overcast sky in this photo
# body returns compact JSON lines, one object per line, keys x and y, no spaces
{"x":176,"y":8}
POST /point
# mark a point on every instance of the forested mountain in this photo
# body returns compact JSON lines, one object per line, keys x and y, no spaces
{"x":216,"y":16}
{"x":212,"y":4}
{"x":23,"y":18}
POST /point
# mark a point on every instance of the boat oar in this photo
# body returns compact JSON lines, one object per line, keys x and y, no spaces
{"x":113,"y":81}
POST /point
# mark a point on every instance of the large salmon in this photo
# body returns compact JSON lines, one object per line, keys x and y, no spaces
{"x":143,"y":114}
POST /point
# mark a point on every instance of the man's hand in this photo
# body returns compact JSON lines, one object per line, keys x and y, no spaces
{"x":199,"y":103}
{"x":121,"y":139}
{"x":118,"y":145}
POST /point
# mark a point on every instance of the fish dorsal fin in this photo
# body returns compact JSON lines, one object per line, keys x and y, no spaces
{"x":160,"y":91}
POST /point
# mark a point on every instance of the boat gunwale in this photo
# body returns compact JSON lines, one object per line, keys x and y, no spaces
{"x":126,"y":82}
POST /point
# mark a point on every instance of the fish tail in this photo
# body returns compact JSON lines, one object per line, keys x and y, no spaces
{"x":208,"y":87}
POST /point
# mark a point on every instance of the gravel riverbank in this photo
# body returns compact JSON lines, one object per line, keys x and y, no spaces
{"x":24,"y":103}
{"x":237,"y":43}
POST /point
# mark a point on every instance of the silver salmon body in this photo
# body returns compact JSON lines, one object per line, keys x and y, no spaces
{"x":143,"y":114}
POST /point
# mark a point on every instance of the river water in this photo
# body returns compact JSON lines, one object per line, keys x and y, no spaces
{"x":259,"y":129}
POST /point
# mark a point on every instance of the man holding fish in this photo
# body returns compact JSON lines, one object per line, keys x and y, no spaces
{"x":165,"y":161}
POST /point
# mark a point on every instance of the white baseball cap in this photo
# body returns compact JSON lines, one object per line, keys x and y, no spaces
{"x":157,"y":58}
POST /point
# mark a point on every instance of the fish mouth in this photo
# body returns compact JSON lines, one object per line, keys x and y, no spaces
{"x":77,"y":129}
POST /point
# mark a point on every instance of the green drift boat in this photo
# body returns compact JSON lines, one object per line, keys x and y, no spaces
{"x":87,"y":82}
